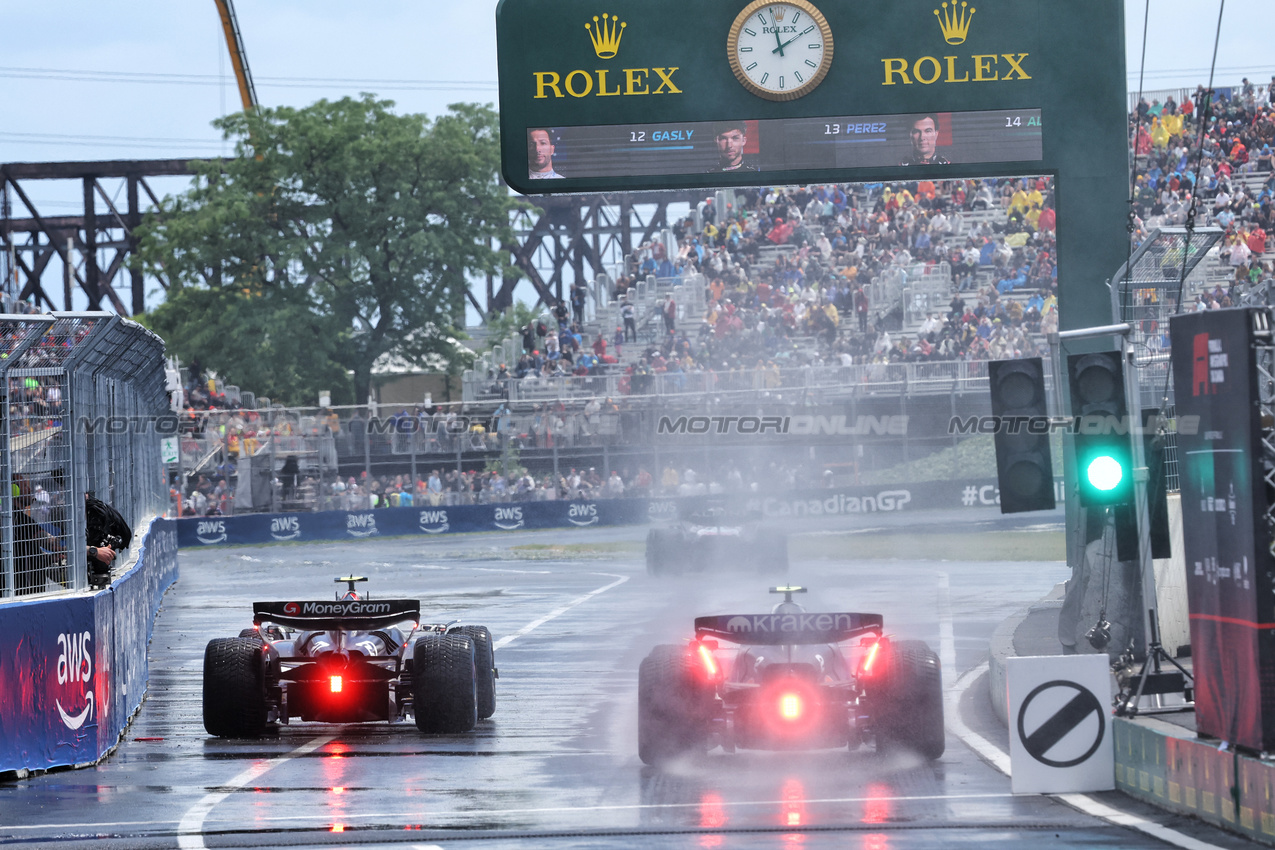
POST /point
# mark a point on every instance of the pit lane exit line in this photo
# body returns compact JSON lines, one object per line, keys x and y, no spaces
{"x":190,"y":829}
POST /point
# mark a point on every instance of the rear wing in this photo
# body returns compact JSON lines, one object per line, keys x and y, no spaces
{"x":777,"y":629}
{"x":344,"y":614}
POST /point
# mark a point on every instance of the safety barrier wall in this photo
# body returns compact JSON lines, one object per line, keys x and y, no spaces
{"x":515,"y":516}
{"x":74,"y":668}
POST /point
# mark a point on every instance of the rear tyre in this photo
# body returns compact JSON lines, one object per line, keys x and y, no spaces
{"x":444,"y":687}
{"x":674,"y":709}
{"x":234,"y":688}
{"x":908,"y":706}
{"x":484,"y":669}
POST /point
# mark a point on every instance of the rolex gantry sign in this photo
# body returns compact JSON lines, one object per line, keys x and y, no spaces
{"x":604,"y":95}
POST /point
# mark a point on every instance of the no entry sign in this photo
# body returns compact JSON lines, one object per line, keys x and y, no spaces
{"x":1060,"y":731}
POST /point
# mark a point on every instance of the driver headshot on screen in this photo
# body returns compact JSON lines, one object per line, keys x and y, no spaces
{"x":732,"y":138}
{"x":540,"y":150}
{"x":924,"y":133}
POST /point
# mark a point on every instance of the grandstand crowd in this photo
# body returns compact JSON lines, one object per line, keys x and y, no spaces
{"x":1213,"y":148}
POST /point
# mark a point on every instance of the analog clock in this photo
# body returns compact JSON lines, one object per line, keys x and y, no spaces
{"x":780,"y":50}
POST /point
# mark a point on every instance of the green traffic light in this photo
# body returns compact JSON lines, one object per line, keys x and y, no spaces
{"x":1105,"y":473}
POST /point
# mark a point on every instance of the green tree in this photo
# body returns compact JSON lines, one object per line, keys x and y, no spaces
{"x":338,"y":234}
{"x":510,"y":323}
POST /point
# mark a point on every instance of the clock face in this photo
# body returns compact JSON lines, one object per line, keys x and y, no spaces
{"x":780,"y":50}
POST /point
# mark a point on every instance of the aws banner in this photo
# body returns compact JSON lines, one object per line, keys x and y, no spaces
{"x":73,"y":670}
{"x":396,"y":522}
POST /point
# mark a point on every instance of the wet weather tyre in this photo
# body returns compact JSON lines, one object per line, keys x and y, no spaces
{"x":484,"y":669}
{"x":444,"y":687}
{"x":234,"y":688}
{"x":909,"y":702}
{"x":674,"y":709}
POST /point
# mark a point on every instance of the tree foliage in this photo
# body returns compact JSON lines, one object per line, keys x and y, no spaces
{"x":339,"y":233}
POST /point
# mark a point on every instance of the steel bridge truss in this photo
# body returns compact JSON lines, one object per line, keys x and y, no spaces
{"x":104,"y":235}
{"x":557,"y":240}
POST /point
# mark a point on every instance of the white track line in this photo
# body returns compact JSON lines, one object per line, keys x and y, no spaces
{"x":190,"y":829}
{"x":999,"y":759}
{"x":535,"y":624}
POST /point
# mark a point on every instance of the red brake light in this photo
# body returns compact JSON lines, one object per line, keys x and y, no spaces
{"x":335,"y":684}
{"x":790,"y":707}
{"x":871,"y":658}
{"x":710,"y":663}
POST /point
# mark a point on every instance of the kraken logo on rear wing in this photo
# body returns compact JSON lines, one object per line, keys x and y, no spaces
{"x":776,"y":629}
{"x":343,"y":614}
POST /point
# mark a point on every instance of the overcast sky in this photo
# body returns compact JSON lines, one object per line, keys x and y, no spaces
{"x":142,"y":79}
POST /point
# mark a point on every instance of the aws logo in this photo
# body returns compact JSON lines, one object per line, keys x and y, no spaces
{"x":211,"y":531}
{"x":75,"y":666}
{"x":285,"y":528}
{"x":954,"y":24}
{"x":605,"y":36}
{"x":661,"y":509}
{"x":509,"y":518}
{"x":582,"y":514}
{"x":360,"y":525}
{"x":433,"y":522}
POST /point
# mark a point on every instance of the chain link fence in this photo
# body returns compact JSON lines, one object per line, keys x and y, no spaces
{"x":84,"y":404}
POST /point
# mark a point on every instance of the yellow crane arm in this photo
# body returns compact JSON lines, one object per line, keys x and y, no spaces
{"x":234,"y":41}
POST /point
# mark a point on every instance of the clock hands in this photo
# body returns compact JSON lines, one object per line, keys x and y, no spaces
{"x":780,"y":48}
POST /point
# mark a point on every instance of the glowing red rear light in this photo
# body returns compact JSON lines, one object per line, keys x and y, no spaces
{"x":871,"y":658}
{"x":710,"y":663}
{"x":790,"y":707}
{"x":335,"y":683}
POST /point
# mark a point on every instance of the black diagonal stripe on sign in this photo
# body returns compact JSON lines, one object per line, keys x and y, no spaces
{"x":1064,"y":720}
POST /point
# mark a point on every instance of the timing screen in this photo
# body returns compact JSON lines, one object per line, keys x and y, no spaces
{"x":723,"y":147}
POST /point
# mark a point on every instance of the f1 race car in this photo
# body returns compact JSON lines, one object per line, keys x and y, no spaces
{"x":795,"y":680}
{"x":710,"y":535}
{"x":352,"y":660}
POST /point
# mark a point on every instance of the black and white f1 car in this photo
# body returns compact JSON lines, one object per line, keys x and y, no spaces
{"x":710,"y":535}
{"x":794,"y":680}
{"x":352,"y":660}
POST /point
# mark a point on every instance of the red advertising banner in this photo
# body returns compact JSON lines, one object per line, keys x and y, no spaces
{"x":1230,"y":570}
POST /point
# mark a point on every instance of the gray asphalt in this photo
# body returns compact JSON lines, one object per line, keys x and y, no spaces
{"x":557,"y":765}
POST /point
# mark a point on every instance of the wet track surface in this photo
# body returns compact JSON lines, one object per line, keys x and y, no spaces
{"x":557,"y":765}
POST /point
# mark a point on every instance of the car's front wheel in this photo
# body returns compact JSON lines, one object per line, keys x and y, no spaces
{"x":485,"y":669}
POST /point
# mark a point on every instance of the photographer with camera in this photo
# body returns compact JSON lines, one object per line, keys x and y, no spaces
{"x":108,"y":533}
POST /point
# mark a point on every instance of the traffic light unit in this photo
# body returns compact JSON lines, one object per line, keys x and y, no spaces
{"x":1024,"y":464}
{"x":1104,"y":453}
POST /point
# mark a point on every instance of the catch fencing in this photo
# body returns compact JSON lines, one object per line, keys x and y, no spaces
{"x":84,"y":396}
